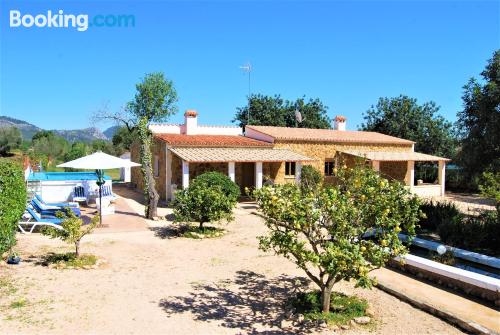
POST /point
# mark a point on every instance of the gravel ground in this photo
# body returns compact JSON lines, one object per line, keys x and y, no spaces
{"x":154,"y":283}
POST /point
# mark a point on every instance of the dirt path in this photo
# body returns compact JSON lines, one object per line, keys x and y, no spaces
{"x":156,"y":284}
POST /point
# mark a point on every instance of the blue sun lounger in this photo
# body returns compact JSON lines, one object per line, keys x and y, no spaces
{"x":55,"y":204}
{"x":52,"y":210}
{"x":34,"y":219}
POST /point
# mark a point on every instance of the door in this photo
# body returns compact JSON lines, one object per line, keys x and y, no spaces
{"x":247,"y":176}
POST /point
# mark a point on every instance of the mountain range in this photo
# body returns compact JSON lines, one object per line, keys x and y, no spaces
{"x":81,"y":135}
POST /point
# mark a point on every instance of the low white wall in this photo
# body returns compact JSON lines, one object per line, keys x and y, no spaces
{"x":163,"y":128}
{"x":479,"y":280}
{"x":457,"y":252}
{"x":427,"y":190}
{"x":219,"y":130}
{"x":61,"y":191}
{"x":159,"y":128}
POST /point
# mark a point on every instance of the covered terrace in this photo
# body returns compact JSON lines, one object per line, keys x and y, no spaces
{"x":401,"y":166}
{"x":245,"y":166}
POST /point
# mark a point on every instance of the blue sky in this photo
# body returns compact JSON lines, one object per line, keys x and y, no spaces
{"x":348,"y":54}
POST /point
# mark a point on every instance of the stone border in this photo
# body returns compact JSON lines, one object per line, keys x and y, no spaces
{"x":468,"y":326}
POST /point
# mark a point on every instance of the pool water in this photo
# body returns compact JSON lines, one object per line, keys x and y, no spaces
{"x":63,"y":176}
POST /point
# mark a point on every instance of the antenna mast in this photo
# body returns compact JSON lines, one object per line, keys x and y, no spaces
{"x":248,"y":69}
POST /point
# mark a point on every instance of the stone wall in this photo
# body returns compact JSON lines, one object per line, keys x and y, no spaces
{"x":135,"y":173}
{"x":136,"y":178}
{"x":321,"y":152}
{"x":394,"y":170}
{"x":195,"y":169}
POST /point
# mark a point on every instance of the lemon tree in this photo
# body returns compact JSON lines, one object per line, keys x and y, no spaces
{"x":339,"y":232}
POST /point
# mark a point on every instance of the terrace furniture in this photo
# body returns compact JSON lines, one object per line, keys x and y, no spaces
{"x":52,"y":210}
{"x":55,"y":204}
{"x":79,"y":194}
{"x":34,"y":219}
{"x":108,"y":194}
{"x":107,"y":207}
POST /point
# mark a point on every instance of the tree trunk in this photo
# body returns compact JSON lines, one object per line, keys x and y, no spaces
{"x":326,"y":293}
{"x":77,"y":249}
{"x":201,"y":225}
{"x":151,"y":196}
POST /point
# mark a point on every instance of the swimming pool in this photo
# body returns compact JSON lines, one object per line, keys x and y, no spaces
{"x":59,"y":186}
{"x":64,"y":176}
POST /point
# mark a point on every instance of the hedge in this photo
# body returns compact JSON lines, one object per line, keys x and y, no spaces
{"x":12,"y":202}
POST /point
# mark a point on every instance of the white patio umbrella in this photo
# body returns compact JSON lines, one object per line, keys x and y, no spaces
{"x":99,"y":161}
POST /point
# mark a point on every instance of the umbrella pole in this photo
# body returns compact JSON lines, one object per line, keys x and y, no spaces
{"x":100,"y":182}
{"x":100,"y":205}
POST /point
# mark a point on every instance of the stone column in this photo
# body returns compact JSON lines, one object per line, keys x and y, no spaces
{"x":231,"y":171}
{"x":442,"y":176}
{"x":185,"y":174}
{"x":410,"y":174}
{"x":258,"y":175}
{"x":298,"y":172}
{"x":376,"y":166}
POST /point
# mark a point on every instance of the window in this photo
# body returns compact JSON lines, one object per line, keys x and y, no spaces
{"x":156,"y":166}
{"x":289,"y":169}
{"x":329,"y":167}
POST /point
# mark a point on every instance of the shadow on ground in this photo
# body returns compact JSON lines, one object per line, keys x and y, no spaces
{"x":166,"y":232}
{"x":250,"y":302}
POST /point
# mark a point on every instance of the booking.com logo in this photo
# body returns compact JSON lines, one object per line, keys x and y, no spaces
{"x":59,"y":19}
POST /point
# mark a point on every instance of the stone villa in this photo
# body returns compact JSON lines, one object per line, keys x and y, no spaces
{"x":182,"y":152}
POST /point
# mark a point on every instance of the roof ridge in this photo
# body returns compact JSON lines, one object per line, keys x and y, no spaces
{"x":295,"y":134}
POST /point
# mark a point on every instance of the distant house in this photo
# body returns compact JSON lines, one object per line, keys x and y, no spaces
{"x":182,"y":152}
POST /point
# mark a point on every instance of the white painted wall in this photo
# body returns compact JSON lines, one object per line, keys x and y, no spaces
{"x":219,"y":130}
{"x":258,"y":175}
{"x":163,"y":128}
{"x":442,"y":176}
{"x":191,"y":127}
{"x":231,"y":171}
{"x":185,"y":174}
{"x":125,"y":172}
{"x":249,"y":132}
{"x":61,"y":191}
{"x":427,"y":190}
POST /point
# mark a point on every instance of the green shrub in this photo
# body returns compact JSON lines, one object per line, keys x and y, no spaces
{"x":217,"y":179}
{"x":437,"y":213}
{"x":490,"y":185}
{"x":310,"y":178}
{"x":12,"y":202}
{"x":73,"y":229}
{"x":475,"y":233}
{"x":10,"y":138}
{"x":210,"y":197}
{"x":343,"y":308}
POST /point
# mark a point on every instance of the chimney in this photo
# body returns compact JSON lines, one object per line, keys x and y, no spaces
{"x":339,"y":122}
{"x":191,"y":122}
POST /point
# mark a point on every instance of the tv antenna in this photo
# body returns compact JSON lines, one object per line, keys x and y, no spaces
{"x":247,"y":68}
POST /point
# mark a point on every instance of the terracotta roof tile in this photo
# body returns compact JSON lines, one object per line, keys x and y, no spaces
{"x":328,"y":135}
{"x":211,"y":141}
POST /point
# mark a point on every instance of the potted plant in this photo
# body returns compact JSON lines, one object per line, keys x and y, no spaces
{"x":13,"y":258}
